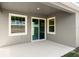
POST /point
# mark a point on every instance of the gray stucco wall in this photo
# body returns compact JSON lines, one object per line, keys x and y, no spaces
{"x":5,"y":39}
{"x":77,"y":29}
{"x":65,"y":29}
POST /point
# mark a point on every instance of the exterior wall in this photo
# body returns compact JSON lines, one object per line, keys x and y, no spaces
{"x":65,"y":29}
{"x":5,"y":39}
{"x":77,"y":29}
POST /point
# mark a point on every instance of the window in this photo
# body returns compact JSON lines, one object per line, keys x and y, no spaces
{"x":17,"y":24}
{"x":51,"y":25}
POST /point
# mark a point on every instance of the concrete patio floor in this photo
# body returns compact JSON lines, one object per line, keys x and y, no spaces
{"x":36,"y":49}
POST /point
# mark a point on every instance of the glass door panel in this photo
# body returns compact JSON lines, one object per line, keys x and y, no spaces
{"x":35,"y":26}
{"x":42,"y":29}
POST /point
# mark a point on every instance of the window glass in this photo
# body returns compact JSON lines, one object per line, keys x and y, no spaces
{"x":51,"y":25}
{"x":51,"y":22}
{"x":17,"y":24}
{"x":51,"y":28}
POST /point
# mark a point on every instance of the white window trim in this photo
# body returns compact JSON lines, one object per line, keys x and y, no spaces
{"x":54,"y":25}
{"x":15,"y":34}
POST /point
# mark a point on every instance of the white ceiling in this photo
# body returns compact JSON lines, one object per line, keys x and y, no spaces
{"x":29,"y":7}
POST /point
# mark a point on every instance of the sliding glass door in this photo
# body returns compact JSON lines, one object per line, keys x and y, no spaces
{"x":38,"y":29}
{"x":41,"y":29}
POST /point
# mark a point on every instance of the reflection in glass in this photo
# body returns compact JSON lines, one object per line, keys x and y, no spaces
{"x":35,"y":29}
{"x":17,"y":24}
{"x":42,"y":29}
{"x":38,"y":29}
{"x":17,"y":20}
{"x":51,"y":28}
{"x":51,"y":22}
{"x":17,"y":29}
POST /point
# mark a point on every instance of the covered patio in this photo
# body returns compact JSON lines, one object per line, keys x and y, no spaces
{"x":38,"y":35}
{"x":38,"y":49}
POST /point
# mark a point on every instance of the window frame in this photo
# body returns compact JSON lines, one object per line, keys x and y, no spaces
{"x":52,"y":25}
{"x":18,"y":15}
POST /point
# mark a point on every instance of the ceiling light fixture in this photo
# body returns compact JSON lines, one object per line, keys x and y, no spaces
{"x":38,"y":8}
